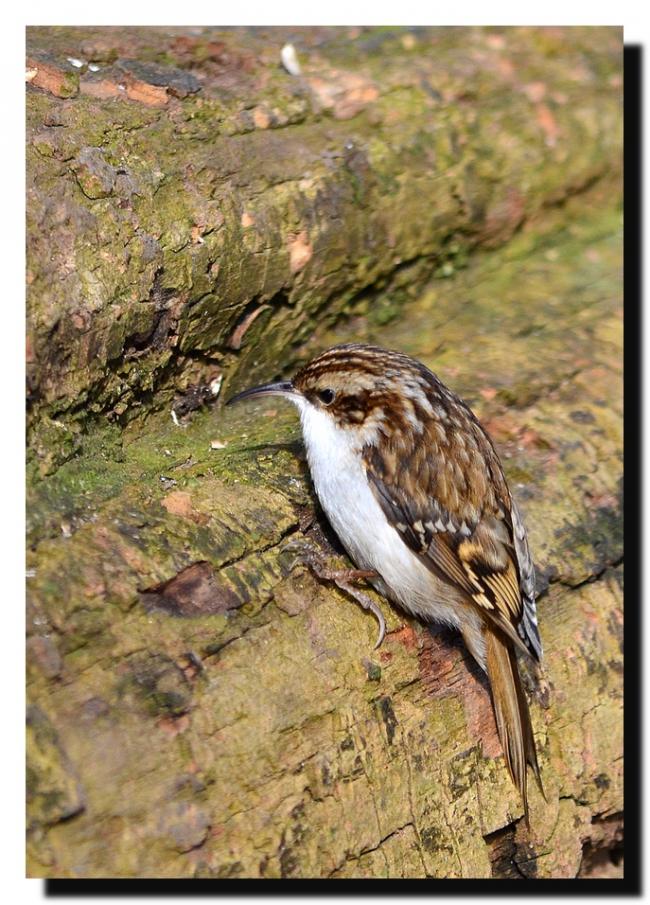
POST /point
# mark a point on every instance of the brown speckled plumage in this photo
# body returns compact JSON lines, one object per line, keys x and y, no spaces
{"x":436,"y":475}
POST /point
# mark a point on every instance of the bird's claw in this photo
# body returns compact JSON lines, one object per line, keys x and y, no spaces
{"x":342,"y":578}
{"x":382,"y":626}
{"x":367,"y":604}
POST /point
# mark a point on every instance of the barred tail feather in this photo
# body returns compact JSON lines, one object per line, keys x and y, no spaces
{"x":511,"y":712}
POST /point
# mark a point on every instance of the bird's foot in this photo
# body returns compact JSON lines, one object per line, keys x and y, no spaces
{"x":343,"y":579}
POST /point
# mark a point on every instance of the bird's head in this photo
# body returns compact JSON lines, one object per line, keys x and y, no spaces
{"x":363,"y":390}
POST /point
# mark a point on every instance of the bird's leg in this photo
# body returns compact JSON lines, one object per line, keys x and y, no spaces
{"x":343,"y":579}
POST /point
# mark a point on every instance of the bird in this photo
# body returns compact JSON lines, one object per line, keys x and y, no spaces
{"x":413,"y":487}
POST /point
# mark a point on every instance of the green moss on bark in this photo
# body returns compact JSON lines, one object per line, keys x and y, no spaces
{"x":154,"y":231}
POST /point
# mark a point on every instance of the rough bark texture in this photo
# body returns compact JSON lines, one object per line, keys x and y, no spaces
{"x":199,"y":704}
{"x":190,"y":182}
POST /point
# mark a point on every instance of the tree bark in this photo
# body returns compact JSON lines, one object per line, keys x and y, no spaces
{"x":189,"y":183}
{"x":199,"y":704}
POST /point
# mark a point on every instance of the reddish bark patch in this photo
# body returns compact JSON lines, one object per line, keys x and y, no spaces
{"x":174,"y":725}
{"x":143,"y":93}
{"x":44,"y":71}
{"x":446,"y":668}
{"x":101,"y":87}
{"x":344,"y":94}
{"x":407,"y":637}
{"x":548,"y":124}
{"x":212,"y":54}
{"x":488,"y":393}
{"x":300,"y":251}
{"x":502,"y":427}
{"x":193,"y":592}
{"x":147,"y":76}
{"x":261,"y":117}
{"x":535,"y":91}
{"x":146,"y":83}
{"x":180,"y":503}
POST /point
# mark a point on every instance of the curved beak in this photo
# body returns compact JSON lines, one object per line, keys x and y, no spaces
{"x":283,"y":388}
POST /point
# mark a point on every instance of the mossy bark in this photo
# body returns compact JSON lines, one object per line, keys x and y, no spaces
{"x":200,"y":705}
{"x":187,"y":182}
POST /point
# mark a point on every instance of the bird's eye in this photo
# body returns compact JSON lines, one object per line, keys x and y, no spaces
{"x":326,"y":396}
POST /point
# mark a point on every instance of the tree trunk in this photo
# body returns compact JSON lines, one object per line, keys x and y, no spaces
{"x":199,"y":703}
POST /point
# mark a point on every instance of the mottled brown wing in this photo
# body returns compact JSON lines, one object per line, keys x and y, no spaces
{"x":443,"y":489}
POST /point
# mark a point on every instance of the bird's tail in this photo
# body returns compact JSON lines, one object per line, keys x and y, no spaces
{"x":511,"y":711}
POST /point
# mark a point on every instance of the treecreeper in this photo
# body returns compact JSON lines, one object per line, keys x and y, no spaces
{"x":414,"y":489}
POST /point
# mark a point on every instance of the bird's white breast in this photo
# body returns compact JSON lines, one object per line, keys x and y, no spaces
{"x":345,"y":494}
